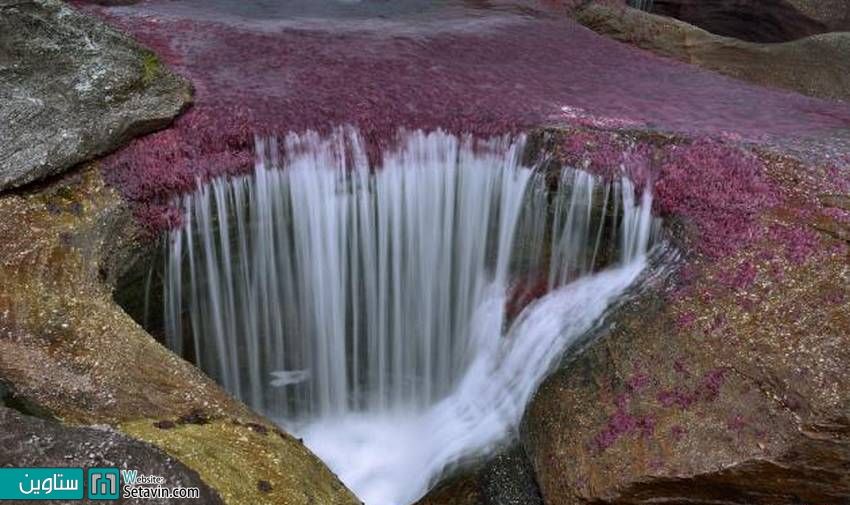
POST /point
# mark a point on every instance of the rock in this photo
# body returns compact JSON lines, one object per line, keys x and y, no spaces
{"x":460,"y":489}
{"x":32,"y":442}
{"x":835,"y":14}
{"x":509,"y":480}
{"x":726,"y":383}
{"x":750,"y":20}
{"x":72,"y":88}
{"x":67,"y":351}
{"x":818,"y":65}
{"x":504,"y":479}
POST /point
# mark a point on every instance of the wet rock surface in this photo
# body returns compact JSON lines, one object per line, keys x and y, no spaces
{"x":32,"y":442}
{"x":72,"y":88}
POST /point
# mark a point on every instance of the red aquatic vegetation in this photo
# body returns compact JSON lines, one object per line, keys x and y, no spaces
{"x":523,"y":293}
{"x":738,"y":279}
{"x":800,"y":242}
{"x":622,"y":423}
{"x":719,"y":189}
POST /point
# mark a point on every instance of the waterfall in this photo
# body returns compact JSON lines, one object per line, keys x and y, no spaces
{"x":366,"y":309}
{"x":644,"y":5}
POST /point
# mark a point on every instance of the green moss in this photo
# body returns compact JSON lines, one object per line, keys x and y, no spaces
{"x":234,"y":458}
{"x":151,"y":67}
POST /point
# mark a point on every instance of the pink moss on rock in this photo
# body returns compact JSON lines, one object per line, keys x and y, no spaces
{"x":622,"y":423}
{"x":719,"y":190}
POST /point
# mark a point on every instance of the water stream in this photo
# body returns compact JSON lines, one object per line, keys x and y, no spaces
{"x":398,"y":318}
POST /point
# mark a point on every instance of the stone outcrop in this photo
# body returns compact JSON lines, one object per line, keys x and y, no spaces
{"x":727,"y":382}
{"x":71,"y":88}
{"x":32,"y":442}
{"x":818,"y":65}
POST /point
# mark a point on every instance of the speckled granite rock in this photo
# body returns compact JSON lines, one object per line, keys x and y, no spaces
{"x":71,"y":88}
{"x":818,"y":65}
{"x":505,"y":479}
{"x":29,"y":441}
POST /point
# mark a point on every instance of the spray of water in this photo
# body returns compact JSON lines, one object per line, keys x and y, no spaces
{"x":366,"y":309}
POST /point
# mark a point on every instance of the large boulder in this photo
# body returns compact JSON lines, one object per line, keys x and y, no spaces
{"x":71,"y":88}
{"x":726,"y":382}
{"x":818,"y":65}
{"x":31,"y":442}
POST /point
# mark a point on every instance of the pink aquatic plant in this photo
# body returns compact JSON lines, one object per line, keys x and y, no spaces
{"x":718,"y":189}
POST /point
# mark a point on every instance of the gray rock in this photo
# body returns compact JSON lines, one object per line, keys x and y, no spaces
{"x":71,"y":89}
{"x":33,"y":442}
{"x":509,"y":480}
{"x":506,"y":478}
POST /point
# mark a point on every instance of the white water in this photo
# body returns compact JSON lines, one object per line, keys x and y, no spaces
{"x":367,"y":309}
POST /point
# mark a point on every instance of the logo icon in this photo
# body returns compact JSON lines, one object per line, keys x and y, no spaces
{"x":103,"y":484}
{"x":41,"y":483}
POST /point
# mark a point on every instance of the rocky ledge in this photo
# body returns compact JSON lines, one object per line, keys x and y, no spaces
{"x":69,"y":353}
{"x":759,"y":20}
{"x":815,"y":65}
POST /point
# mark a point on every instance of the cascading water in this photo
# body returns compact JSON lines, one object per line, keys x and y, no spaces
{"x":367,"y":310}
{"x":644,"y":5}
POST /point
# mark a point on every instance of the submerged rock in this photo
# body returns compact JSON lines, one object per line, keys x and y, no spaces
{"x":71,"y":88}
{"x":817,"y":65}
{"x":32,"y":442}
